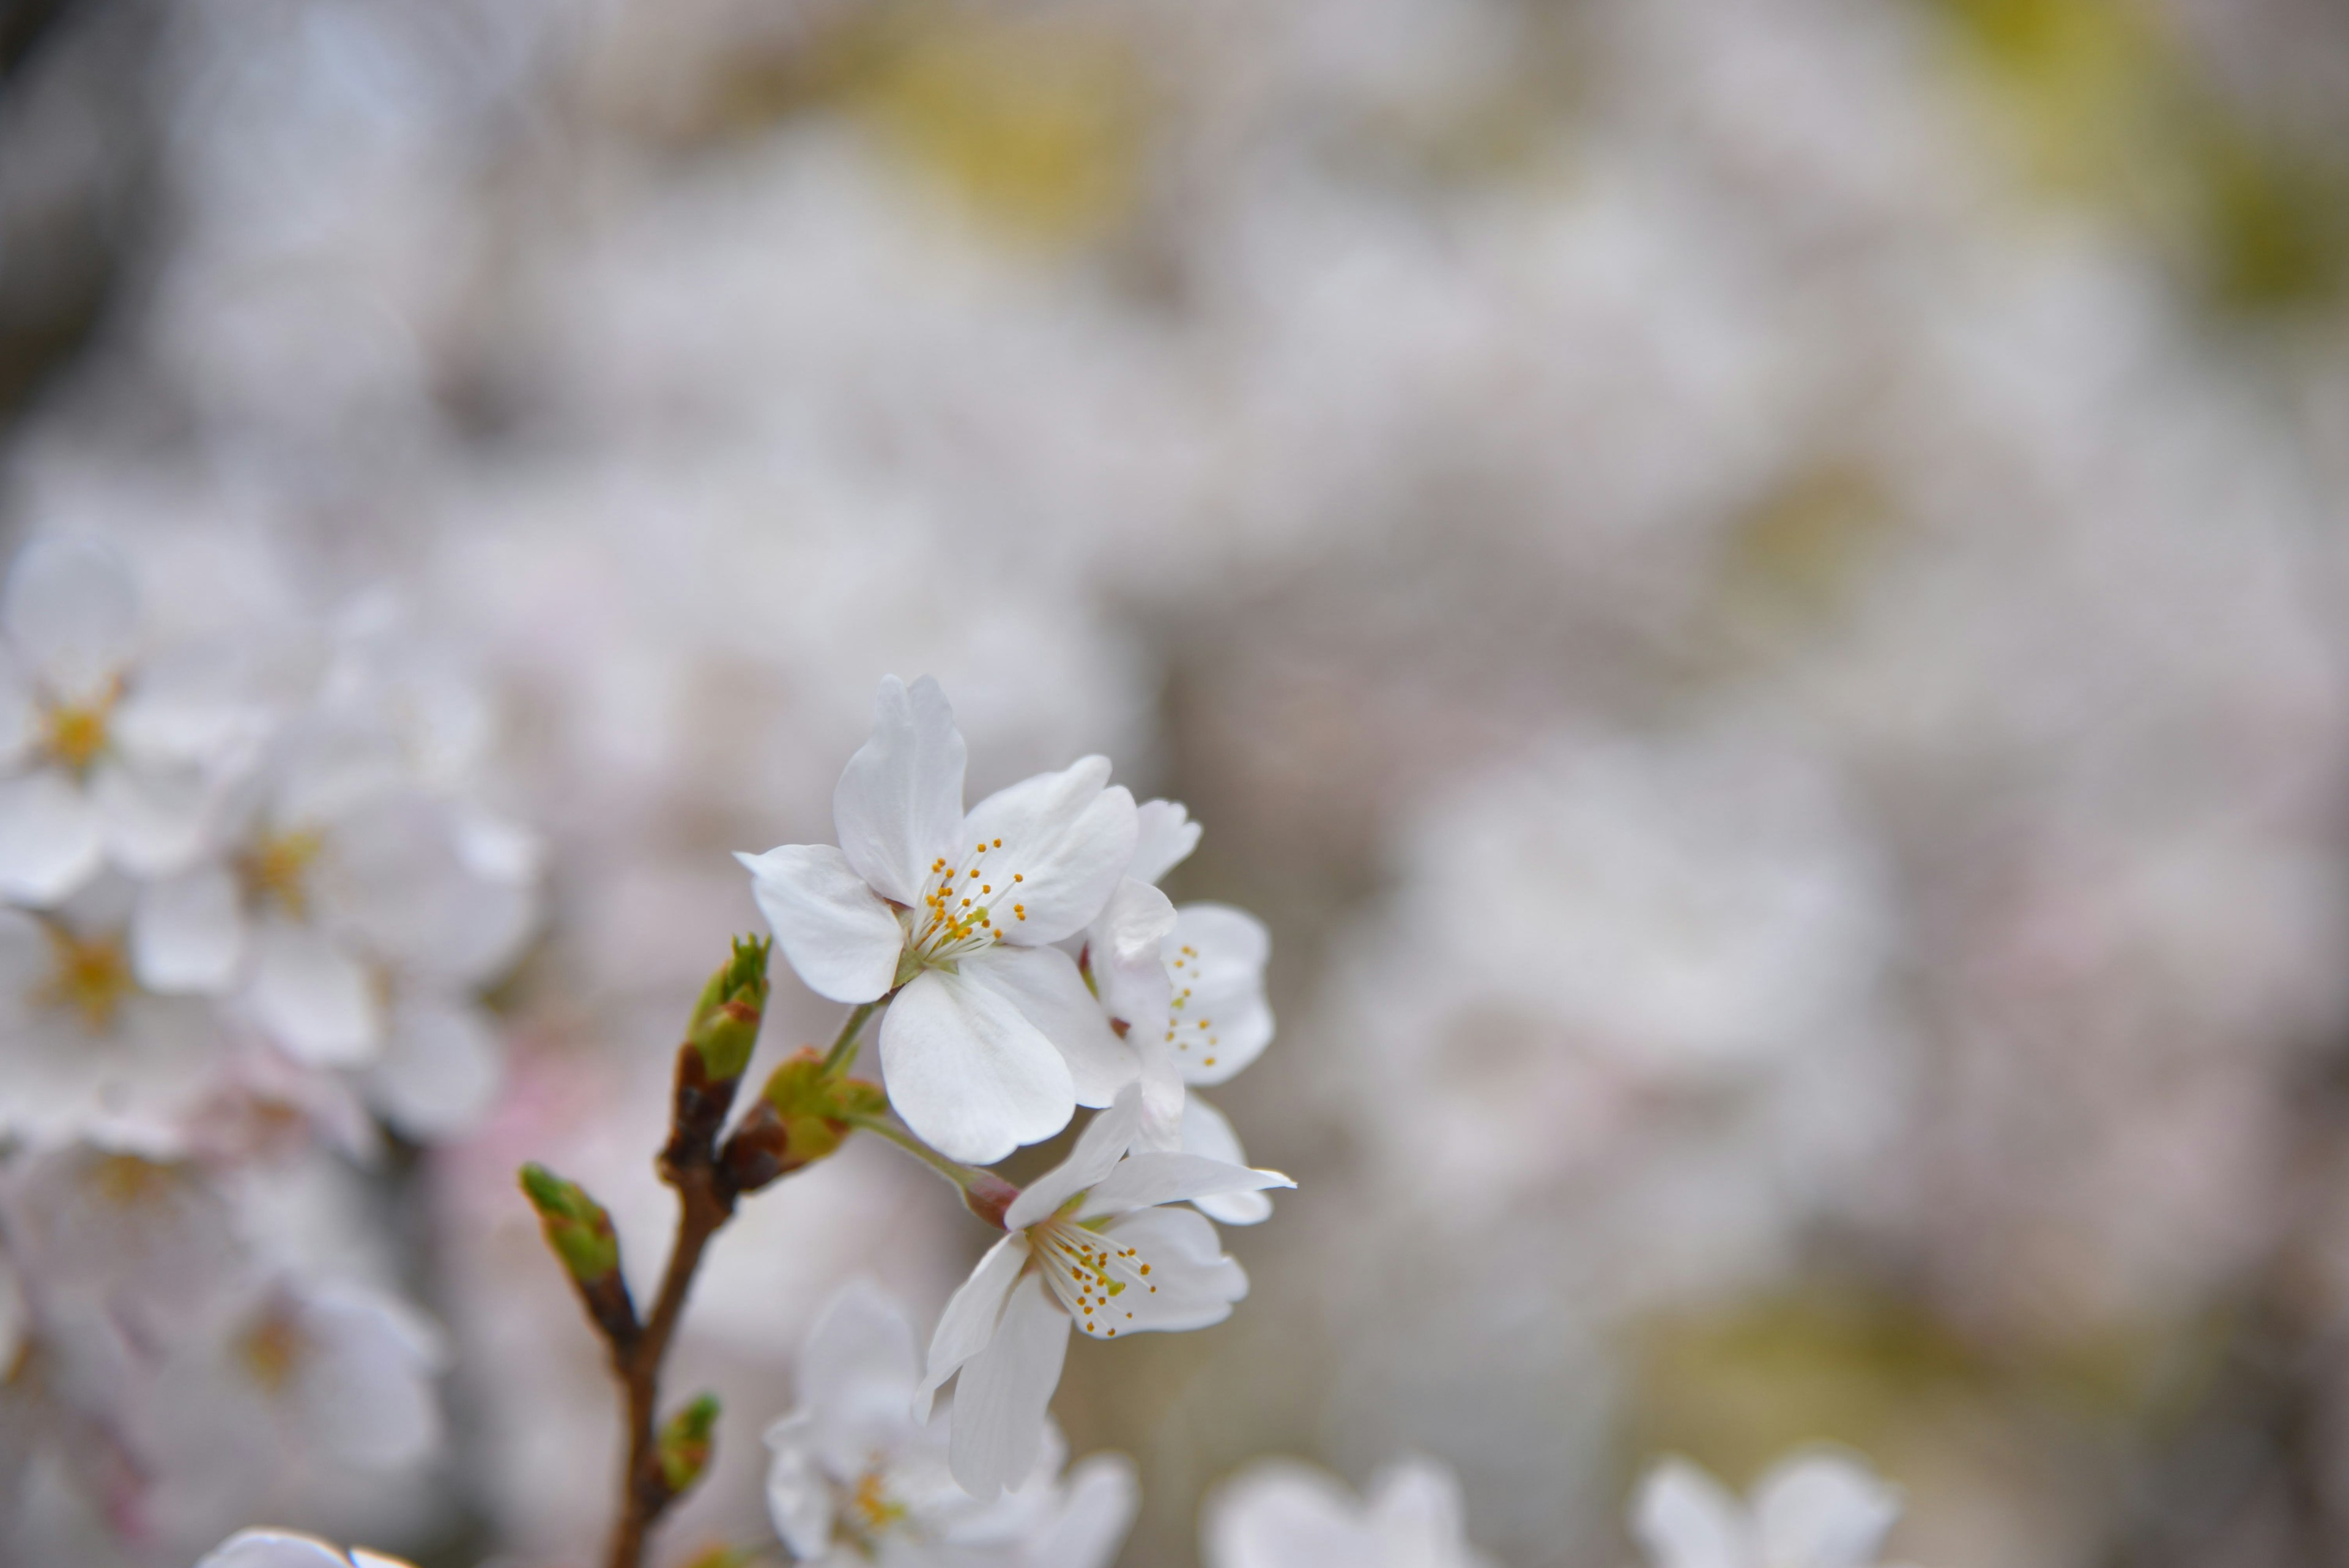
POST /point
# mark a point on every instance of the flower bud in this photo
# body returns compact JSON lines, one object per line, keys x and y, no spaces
{"x":816,"y":1109}
{"x":576,"y":1226}
{"x":686,"y":1444}
{"x":725,"y":1025}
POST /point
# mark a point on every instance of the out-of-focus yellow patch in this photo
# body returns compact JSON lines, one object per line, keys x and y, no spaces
{"x":272,"y":1350}
{"x":2101,"y":105}
{"x":89,"y":976}
{"x":1798,"y":553}
{"x":1035,"y":118}
{"x":276,"y":871}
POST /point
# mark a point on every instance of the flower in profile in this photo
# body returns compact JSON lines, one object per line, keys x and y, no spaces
{"x":1090,"y":1247}
{"x":106,"y":753}
{"x":991,"y":1039}
{"x":855,"y":1477}
{"x":1186,"y":985}
{"x":1819,"y":1507}
{"x":278,"y":1548}
{"x":1279,"y":1513}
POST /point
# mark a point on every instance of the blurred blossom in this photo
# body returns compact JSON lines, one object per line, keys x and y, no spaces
{"x":1819,"y":1510}
{"x":1282,"y":1515}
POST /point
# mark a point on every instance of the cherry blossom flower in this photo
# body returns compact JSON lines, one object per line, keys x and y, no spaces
{"x":106,"y":753}
{"x":1091,"y":1248}
{"x":1187,"y":984}
{"x":856,"y":1478}
{"x":1816,"y":1508}
{"x":277,"y":1549}
{"x":991,"y":1040}
{"x":1279,"y":1513}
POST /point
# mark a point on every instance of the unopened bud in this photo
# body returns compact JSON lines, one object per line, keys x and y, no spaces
{"x":686,"y":1444}
{"x":576,"y":1226}
{"x":817,"y":1110}
{"x":988,"y":1195}
{"x":724,"y":1029}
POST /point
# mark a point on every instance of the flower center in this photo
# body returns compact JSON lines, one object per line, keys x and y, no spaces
{"x":276,"y":871}
{"x":1195,"y":1038}
{"x":272,"y":1350}
{"x":1088,"y":1273}
{"x":965,"y":908}
{"x":132,"y":1181}
{"x":76,"y":733}
{"x":88,"y":975}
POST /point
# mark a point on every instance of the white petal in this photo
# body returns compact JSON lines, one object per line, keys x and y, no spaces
{"x":1147,"y":1179}
{"x":1098,"y":1508}
{"x":1043,"y":986}
{"x":1206,"y":1131}
{"x":186,"y":932}
{"x":274,"y":1548}
{"x":1122,"y":949}
{"x":19,"y":726}
{"x":1164,"y":1095}
{"x":1192,"y":1284}
{"x":1164,"y":837}
{"x":1220,"y":1021}
{"x":1099,"y":1148}
{"x":155,"y":819}
{"x":1415,"y":1508}
{"x":971,"y":1076}
{"x":1279,"y":1513}
{"x":1067,"y":836}
{"x":799,"y":1490}
{"x":898,"y":806}
{"x":362,"y":1558}
{"x":394,"y":872}
{"x":1684,"y":1519}
{"x":841,"y":937}
{"x":968,"y":1322}
{"x":1823,"y":1509}
{"x":73,"y":613}
{"x":999,"y":1401}
{"x":367,"y":1394}
{"x":313,"y":999}
{"x":858,"y":1365}
{"x":440,"y":1069}
{"x":50,"y":841}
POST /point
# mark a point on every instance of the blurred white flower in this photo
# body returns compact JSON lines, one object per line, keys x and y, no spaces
{"x":1816,"y":1509}
{"x":1088,"y":1246}
{"x":1200,"y":969}
{"x":106,"y":752}
{"x":277,"y":1549}
{"x":991,"y":1040}
{"x":1279,"y":1513}
{"x":855,"y":1477}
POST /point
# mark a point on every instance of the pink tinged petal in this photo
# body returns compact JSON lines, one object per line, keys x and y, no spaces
{"x":50,"y":838}
{"x":1823,"y":1509}
{"x":1066,"y":837}
{"x":441,"y":1066}
{"x":1042,"y":985}
{"x":274,"y":1548}
{"x":1279,"y":1513}
{"x":1164,"y":837}
{"x":313,"y":997}
{"x":898,"y":806}
{"x":842,"y":940}
{"x":999,"y":1401}
{"x":155,"y":819}
{"x":1099,"y":1148}
{"x":1207,"y":1133}
{"x":1191,"y":1283}
{"x":187,"y":933}
{"x":968,"y":1322}
{"x":799,"y":1490}
{"x":970,"y":1075}
{"x":1215,"y":959}
{"x":1147,"y":1179}
{"x":1122,"y":949}
{"x":1097,"y":1510}
{"x":72,"y":612}
{"x":1682,"y":1518}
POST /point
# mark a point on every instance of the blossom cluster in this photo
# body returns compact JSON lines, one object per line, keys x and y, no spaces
{"x":252,"y":899}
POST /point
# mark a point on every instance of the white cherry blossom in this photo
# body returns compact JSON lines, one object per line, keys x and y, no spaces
{"x":991,"y":1039}
{"x":280,"y":1549}
{"x":1819,"y":1507}
{"x":856,"y":1478}
{"x":1279,"y":1513}
{"x":107,"y":753}
{"x":1187,"y":986}
{"x":1091,"y":1248}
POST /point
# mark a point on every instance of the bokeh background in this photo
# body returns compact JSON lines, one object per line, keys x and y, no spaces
{"x":1754,"y":589}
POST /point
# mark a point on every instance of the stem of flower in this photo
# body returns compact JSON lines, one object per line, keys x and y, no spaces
{"x":987,"y":1194}
{"x":844,"y":1050}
